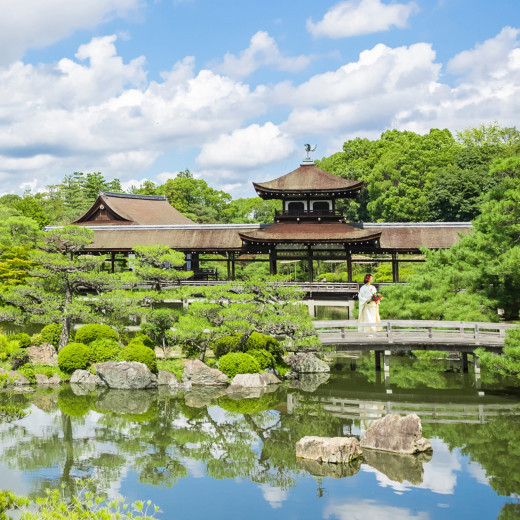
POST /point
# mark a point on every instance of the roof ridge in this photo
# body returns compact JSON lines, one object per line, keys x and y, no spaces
{"x":132,"y":196}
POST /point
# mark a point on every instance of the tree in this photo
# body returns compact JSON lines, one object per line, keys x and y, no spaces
{"x":159,"y":264}
{"x":51,"y":295}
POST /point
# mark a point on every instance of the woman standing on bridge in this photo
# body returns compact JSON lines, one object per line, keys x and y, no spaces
{"x":368,"y":304}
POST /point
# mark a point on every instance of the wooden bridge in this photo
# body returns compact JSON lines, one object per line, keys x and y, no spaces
{"x":458,"y":336}
{"x":446,"y":413}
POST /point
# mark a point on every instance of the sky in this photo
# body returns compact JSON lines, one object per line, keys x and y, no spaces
{"x":233,"y":89}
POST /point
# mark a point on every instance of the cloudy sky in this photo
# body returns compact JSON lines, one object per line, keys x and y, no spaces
{"x":140,"y":89}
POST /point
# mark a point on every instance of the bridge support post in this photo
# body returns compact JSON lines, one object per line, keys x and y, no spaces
{"x":395,"y":268}
{"x":476,"y":365}
{"x":464,"y":359}
{"x":377,"y":355}
{"x":386,"y":367}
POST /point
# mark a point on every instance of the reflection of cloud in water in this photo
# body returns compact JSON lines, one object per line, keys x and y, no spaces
{"x":196,"y":468}
{"x":363,"y":509}
{"x":14,"y":480}
{"x":275,"y":496}
{"x":478,"y":473}
{"x":439,"y":474}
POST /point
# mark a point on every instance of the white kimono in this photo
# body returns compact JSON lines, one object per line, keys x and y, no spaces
{"x":368,"y":309}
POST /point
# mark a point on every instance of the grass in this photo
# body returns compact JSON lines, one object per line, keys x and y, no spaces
{"x":175,"y":366}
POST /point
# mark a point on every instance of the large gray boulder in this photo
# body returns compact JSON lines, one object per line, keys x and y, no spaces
{"x":164,"y":377}
{"x":126,"y":375}
{"x":84,"y":377}
{"x":306,"y":363}
{"x":17,"y":379}
{"x":198,"y":373}
{"x":396,"y":434}
{"x":333,"y":450}
{"x":44,"y":354}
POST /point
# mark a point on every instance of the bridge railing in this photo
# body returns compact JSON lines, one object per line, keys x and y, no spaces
{"x":412,"y":331}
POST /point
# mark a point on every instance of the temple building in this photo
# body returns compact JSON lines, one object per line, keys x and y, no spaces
{"x":309,"y":227}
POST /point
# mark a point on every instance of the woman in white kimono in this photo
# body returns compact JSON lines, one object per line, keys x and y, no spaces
{"x":368,"y":309}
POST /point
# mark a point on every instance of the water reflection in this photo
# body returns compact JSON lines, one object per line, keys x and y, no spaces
{"x":142,"y":442}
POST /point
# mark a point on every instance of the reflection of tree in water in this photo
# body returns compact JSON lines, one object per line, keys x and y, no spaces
{"x":494,"y":445}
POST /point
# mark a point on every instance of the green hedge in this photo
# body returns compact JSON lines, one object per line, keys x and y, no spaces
{"x":238,"y":363}
{"x":104,"y":349}
{"x":24,"y":340}
{"x":74,"y":356}
{"x":256,"y":341}
{"x":140,"y":353}
{"x":89,"y":333}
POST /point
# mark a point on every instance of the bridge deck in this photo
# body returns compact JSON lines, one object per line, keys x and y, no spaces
{"x":412,"y":334}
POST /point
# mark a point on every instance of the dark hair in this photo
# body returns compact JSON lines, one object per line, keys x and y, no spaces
{"x":367,"y":277}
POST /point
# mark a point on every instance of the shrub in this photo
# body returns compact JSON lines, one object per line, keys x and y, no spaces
{"x":7,"y":347}
{"x":51,"y":334}
{"x":238,"y":363}
{"x":145,"y":339}
{"x":264,"y":359}
{"x":74,"y":356}
{"x":36,"y":339}
{"x":256,"y":341}
{"x":23,"y":339}
{"x":27,"y":370}
{"x":18,"y":358}
{"x":104,"y":349}
{"x":89,"y":333}
{"x":139,"y":352}
{"x":139,"y":341}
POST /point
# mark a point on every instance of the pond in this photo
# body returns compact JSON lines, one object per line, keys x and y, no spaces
{"x":205,"y":455}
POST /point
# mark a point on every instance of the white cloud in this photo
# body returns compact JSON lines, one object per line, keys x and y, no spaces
{"x":249,"y":147}
{"x":363,"y":509}
{"x":274,"y":495}
{"x":355,"y":17}
{"x":491,"y":59}
{"x":262,"y":51}
{"x":35,"y":24}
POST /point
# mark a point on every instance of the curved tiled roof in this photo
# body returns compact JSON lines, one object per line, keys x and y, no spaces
{"x":308,"y":178}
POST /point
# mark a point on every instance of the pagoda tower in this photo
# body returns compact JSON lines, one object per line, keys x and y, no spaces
{"x":309,"y":227}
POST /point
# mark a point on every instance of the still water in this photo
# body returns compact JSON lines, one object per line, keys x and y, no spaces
{"x":205,"y":455}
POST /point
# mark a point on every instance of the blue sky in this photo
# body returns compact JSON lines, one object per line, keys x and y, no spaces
{"x":141,"y":89}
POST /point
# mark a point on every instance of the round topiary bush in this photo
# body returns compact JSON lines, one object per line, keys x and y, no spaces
{"x":24,"y":340}
{"x":104,"y":349}
{"x":264,"y":359}
{"x":144,"y":339}
{"x":51,"y":334}
{"x":74,"y":356}
{"x":89,"y":333}
{"x":238,"y":363}
{"x":138,"y":352}
{"x":224,"y":345}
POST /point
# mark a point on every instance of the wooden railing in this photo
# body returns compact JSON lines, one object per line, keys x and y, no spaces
{"x":411,"y":333}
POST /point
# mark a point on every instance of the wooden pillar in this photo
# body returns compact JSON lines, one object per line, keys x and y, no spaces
{"x":195,"y":261}
{"x":233,"y":266}
{"x":228,"y":264}
{"x":349,"y":266}
{"x":272,"y":262}
{"x":377,"y":354}
{"x":311,"y":266}
{"x":464,"y":358}
{"x":395,"y":268}
{"x":112,"y":262}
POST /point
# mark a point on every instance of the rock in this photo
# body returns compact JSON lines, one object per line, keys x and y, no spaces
{"x":290,"y":376}
{"x":43,"y":355}
{"x":164,"y":377}
{"x":176,"y":385}
{"x":54,"y":380}
{"x":241,"y":381}
{"x":396,"y":434}
{"x":201,"y":396}
{"x":323,"y":469}
{"x":306,"y":363}
{"x":85,"y":377}
{"x":125,"y":401}
{"x":333,"y":450}
{"x":197,"y":373}
{"x":18,"y":379}
{"x":309,"y":382}
{"x":42,"y":379}
{"x":238,"y":393}
{"x":80,"y":389}
{"x":126,"y":375}
{"x":398,"y":467}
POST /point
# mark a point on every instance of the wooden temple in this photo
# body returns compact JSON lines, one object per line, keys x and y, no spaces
{"x":309,"y":227}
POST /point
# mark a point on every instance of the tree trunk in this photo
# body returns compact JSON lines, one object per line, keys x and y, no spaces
{"x":65,"y":321}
